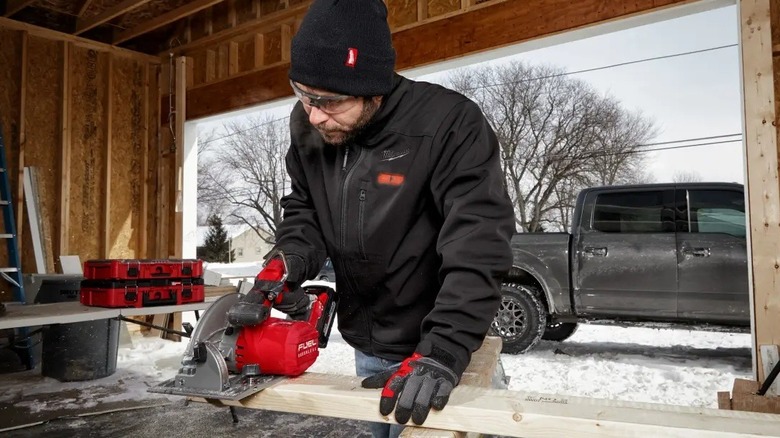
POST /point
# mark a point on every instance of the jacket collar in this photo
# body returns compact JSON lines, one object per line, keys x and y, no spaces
{"x":384,"y":114}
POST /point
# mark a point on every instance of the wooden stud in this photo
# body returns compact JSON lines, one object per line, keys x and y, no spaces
{"x":211,"y":65}
{"x":143,"y":235}
{"x":763,"y":180}
{"x":208,"y":22}
{"x":166,"y":18}
{"x":188,"y":31}
{"x":232,"y":58}
{"x":83,"y":25}
{"x":22,"y":140}
{"x":65,"y":153}
{"x":108,"y":114}
{"x":76,"y":41}
{"x":232,"y":18}
{"x":181,"y":117}
{"x":259,"y":50}
{"x":222,"y":61}
{"x":286,"y":42}
{"x":422,"y":10}
{"x":14,"y":6}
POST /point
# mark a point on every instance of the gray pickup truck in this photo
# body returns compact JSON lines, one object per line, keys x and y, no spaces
{"x":671,"y":253}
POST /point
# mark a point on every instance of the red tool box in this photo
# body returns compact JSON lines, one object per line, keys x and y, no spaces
{"x":106,"y":293}
{"x":142,"y":269}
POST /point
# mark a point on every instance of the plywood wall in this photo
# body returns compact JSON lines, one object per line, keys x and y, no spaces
{"x":87,"y":118}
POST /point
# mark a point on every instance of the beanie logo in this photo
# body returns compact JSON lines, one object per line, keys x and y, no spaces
{"x":351,"y":57}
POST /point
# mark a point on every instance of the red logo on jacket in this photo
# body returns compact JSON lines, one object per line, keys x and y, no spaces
{"x":351,"y":57}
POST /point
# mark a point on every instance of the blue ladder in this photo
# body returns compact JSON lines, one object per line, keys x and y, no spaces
{"x":13,"y":272}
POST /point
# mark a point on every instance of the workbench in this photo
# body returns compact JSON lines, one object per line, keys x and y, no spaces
{"x":31,"y":315}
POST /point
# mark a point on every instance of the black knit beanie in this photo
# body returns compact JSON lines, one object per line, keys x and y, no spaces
{"x":344,"y":46}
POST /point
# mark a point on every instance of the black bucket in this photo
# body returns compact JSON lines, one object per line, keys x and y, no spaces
{"x":79,"y":350}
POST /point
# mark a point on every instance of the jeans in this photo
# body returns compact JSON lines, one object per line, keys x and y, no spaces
{"x":365,"y":366}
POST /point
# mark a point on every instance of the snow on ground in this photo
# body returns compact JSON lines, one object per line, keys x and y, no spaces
{"x":663,"y":365}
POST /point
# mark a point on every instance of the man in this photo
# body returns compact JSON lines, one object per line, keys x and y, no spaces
{"x":399,"y":183}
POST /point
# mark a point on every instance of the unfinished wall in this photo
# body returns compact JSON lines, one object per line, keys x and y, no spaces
{"x":86,"y":117}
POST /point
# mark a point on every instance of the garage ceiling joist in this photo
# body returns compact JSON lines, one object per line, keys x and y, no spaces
{"x":471,"y":30}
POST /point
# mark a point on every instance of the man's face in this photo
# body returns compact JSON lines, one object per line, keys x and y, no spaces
{"x":340,"y":118}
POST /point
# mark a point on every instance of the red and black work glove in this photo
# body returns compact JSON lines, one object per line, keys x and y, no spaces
{"x":272,"y":284}
{"x":413,"y":388}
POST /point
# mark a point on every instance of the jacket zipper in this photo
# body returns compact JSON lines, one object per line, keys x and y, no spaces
{"x":361,"y":222}
{"x":344,"y":189}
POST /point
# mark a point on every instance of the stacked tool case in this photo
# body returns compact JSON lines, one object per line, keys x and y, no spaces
{"x":142,"y":283}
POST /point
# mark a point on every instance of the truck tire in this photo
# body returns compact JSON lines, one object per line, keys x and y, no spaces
{"x":521,"y":318}
{"x":559,"y":331}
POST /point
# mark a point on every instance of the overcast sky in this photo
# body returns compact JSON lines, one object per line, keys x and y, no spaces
{"x":691,"y":96}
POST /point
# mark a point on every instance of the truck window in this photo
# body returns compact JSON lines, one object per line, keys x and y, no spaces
{"x":717,"y":211}
{"x":630,"y":212}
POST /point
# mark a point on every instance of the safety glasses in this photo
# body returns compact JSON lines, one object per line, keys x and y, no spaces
{"x":328,"y":104}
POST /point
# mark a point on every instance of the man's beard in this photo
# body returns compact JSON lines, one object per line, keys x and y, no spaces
{"x":369,"y":109}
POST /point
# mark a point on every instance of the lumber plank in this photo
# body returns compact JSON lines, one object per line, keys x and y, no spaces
{"x":83,"y":25}
{"x":143,"y":236}
{"x":763,"y":187}
{"x":166,"y":18}
{"x":769,"y":357}
{"x":108,"y":112}
{"x":22,"y":140}
{"x":515,"y":413}
{"x":181,"y":117}
{"x":65,"y":152}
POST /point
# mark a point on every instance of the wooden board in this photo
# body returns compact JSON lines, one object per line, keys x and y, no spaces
{"x":151,"y":178}
{"x":763,"y":179}
{"x":743,"y":397}
{"x":44,"y":83}
{"x":126,"y":156}
{"x":88,"y":139}
{"x":516,"y":413}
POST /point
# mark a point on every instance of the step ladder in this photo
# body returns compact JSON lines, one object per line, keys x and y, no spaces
{"x":13,"y":272}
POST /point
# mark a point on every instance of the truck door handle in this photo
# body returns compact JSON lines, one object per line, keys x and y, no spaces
{"x":595,"y":251}
{"x":697,"y":252}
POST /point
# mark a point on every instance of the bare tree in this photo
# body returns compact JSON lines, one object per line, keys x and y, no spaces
{"x":686,"y":176}
{"x":557,"y":135}
{"x":211,"y":200}
{"x":248,"y":172}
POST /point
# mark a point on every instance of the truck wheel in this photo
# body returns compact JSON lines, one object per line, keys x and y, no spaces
{"x":559,"y":331}
{"x":521,"y":318}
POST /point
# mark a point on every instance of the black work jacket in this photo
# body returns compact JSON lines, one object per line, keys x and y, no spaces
{"x":415,"y":217}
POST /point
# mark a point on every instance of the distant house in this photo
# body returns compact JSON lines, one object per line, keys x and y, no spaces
{"x":244,"y":241}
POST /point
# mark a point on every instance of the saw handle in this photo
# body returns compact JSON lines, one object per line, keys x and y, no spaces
{"x":322,"y":311}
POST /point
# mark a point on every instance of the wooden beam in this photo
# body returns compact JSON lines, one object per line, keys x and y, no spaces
{"x":166,"y":18}
{"x":77,"y":41}
{"x":22,"y":140}
{"x":65,"y":153}
{"x":105,"y":239}
{"x":763,"y":181}
{"x":83,"y":25}
{"x":232,"y":58}
{"x":468,"y":32}
{"x":85,"y":4}
{"x":422,"y":10}
{"x":14,"y":6}
{"x":259,"y":54}
{"x":287,"y":35}
{"x":181,"y":117}
{"x":515,"y":413}
{"x":143,"y":234}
